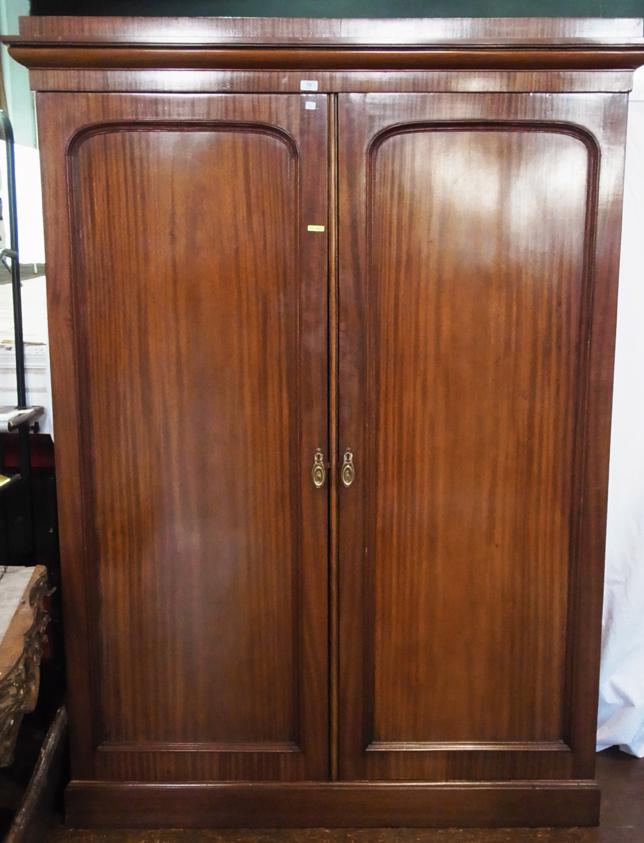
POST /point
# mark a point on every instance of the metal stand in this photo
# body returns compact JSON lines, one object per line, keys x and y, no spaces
{"x":25,"y":418}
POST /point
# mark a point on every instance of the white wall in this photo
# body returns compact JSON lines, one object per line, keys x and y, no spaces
{"x":621,"y":700}
{"x":29,"y":193}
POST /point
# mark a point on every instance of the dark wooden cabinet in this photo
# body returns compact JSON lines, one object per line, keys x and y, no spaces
{"x":332,"y":310}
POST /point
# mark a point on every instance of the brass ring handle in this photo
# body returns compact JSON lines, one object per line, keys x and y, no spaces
{"x":318,"y":472}
{"x":348,"y":472}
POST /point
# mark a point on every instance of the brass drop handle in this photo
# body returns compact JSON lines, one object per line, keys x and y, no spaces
{"x":348,"y":471}
{"x":318,"y":472}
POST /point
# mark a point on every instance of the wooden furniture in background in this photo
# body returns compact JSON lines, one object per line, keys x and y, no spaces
{"x":332,"y":308}
{"x":23,"y":622}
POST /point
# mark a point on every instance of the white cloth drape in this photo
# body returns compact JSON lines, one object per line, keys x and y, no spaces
{"x":621,"y":696}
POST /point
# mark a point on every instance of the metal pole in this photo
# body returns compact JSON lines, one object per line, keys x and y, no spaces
{"x":13,"y":253}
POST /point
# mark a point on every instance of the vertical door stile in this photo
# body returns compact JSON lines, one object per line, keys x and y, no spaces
{"x":334,"y":653}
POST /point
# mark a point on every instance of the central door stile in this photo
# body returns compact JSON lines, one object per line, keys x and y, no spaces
{"x":333,"y":342}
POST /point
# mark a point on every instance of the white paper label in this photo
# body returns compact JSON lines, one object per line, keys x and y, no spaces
{"x":308,"y":85}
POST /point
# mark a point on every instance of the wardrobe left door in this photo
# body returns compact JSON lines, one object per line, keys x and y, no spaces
{"x":188,"y":316}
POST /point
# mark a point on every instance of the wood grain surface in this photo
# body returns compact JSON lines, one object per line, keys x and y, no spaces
{"x":336,"y":804}
{"x":312,"y":58}
{"x":331,"y":44}
{"x":465,"y":312}
{"x":403,"y":31}
{"x":197,"y":304}
{"x":345,"y":81}
{"x":620,"y":777}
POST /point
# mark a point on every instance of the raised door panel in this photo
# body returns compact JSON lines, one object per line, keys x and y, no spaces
{"x":466,"y":315}
{"x":195,"y":306}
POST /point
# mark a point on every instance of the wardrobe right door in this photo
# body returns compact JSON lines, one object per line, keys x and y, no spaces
{"x":478,"y":255}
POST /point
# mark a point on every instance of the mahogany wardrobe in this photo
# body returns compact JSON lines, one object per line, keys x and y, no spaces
{"x":332,"y":314}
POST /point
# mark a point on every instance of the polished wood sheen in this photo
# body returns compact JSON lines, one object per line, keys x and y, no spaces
{"x":421,"y":646}
{"x":466,"y":310}
{"x":344,"y":81}
{"x":331,"y":31}
{"x":336,"y":804}
{"x":193,"y":291}
{"x":319,"y":45}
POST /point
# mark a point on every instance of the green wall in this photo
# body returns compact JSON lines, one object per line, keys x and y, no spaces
{"x":16,"y":78}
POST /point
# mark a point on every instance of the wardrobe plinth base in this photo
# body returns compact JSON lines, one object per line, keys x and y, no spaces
{"x":331,"y":804}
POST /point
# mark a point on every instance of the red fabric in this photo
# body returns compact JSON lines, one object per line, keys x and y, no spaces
{"x":42,"y":451}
